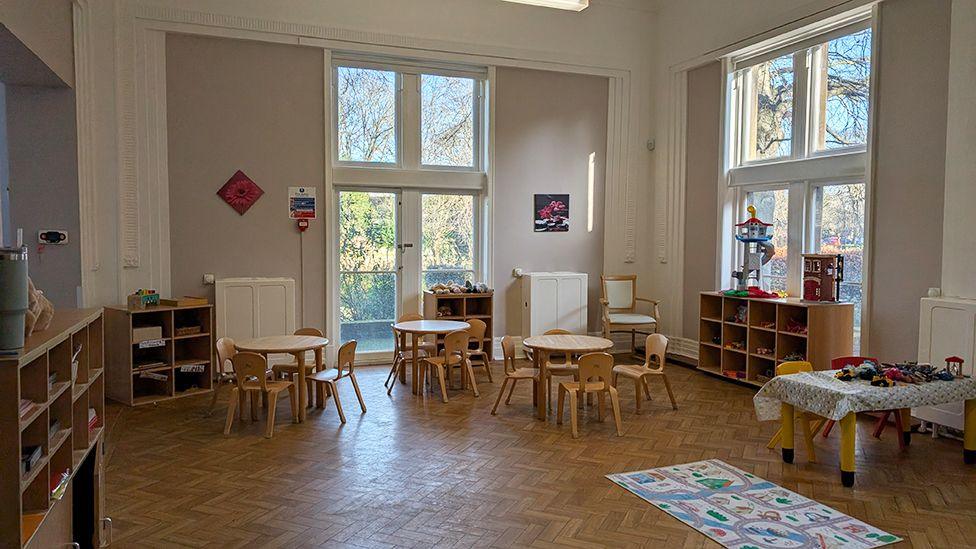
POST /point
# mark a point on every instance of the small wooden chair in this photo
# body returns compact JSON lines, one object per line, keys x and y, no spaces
{"x":620,"y":314}
{"x":656,"y":347}
{"x":401,"y":357}
{"x":251,"y":374}
{"x":595,"y":373}
{"x":810,"y":423}
{"x":565,"y":368}
{"x":327,"y":380}
{"x":455,"y":354}
{"x":476,"y":345}
{"x":513,"y":374}
{"x":290,"y":369}
{"x":224,"y":371}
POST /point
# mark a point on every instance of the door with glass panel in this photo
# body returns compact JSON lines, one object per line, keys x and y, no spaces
{"x":369,"y":268}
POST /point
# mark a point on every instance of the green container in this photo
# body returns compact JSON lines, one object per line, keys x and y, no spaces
{"x":13,"y":297}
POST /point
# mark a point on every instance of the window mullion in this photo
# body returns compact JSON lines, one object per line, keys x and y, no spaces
{"x":409,"y":121}
{"x":796,"y":236}
{"x":801,"y":112}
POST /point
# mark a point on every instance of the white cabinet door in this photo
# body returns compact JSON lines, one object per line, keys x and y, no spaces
{"x":947,"y":328}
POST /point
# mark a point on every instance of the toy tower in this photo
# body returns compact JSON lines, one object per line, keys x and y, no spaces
{"x":755,"y":234}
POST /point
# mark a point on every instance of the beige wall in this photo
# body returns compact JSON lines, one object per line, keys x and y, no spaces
{"x":258,"y":108}
{"x":909,"y":170}
{"x":45,"y":26}
{"x":43,"y":180}
{"x":546,"y":126}
{"x":701,"y":176}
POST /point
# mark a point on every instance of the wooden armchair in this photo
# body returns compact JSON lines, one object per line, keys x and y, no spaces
{"x":620,"y":311}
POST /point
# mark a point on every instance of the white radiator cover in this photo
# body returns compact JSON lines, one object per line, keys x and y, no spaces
{"x":553,"y":300}
{"x":947,"y":327}
{"x":255,"y":307}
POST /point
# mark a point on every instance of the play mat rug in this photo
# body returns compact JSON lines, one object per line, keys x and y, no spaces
{"x":743,"y":511}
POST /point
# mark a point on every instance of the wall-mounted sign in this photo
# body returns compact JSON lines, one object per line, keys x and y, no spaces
{"x":301,"y":203}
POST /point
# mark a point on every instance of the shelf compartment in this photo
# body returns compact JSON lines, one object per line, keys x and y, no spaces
{"x":710,"y":332}
{"x":731,"y":334}
{"x":791,"y":315}
{"x":731,"y":310}
{"x":733,"y":364}
{"x":711,"y":307}
{"x":761,"y":368}
{"x":187,"y":319}
{"x":787,"y":344}
{"x":760,"y":340}
{"x":709,"y":358}
{"x":762,"y":314}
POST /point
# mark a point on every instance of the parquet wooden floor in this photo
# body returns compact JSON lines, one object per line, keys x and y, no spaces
{"x":414,"y":473}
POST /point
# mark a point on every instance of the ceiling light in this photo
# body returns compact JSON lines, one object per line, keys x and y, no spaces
{"x":574,"y":5}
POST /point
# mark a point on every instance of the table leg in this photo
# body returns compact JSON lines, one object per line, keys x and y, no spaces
{"x":403,"y":369}
{"x":906,"y":426}
{"x":848,"y":436}
{"x":302,"y":392}
{"x":319,"y":366}
{"x":969,"y":435}
{"x":415,"y":364}
{"x":540,"y":389}
{"x":788,"y":422}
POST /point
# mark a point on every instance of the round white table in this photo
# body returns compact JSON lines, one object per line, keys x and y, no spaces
{"x":419,"y":328}
{"x":571,"y":344}
{"x":297,"y":346}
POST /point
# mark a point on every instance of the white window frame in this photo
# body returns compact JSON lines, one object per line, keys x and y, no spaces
{"x":477,"y":261}
{"x":397,"y":115}
{"x":805,"y":169}
{"x":478,"y":101}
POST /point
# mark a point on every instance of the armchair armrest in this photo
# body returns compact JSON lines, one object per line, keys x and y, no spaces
{"x":655,"y":304}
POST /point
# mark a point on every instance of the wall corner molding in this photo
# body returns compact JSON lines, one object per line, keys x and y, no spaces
{"x":85,"y":120}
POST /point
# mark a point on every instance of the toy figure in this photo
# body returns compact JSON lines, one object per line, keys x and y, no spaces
{"x":754,"y":234}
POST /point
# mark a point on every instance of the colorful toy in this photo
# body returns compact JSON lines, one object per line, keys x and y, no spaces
{"x":143,"y":298}
{"x":754,"y":234}
{"x":953,"y":365}
{"x":822,"y":275}
{"x":740,"y":315}
{"x":795,"y":326}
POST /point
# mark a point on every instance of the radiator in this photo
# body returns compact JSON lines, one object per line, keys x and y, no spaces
{"x":255,"y":307}
{"x":947,"y":327}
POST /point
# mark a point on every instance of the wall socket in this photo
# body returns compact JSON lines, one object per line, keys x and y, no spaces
{"x":52,"y":237}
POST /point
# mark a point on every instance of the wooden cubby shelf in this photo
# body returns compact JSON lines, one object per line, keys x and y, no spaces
{"x":150,"y":348}
{"x":745,"y":338}
{"x":463,"y":307}
{"x":62,"y":393}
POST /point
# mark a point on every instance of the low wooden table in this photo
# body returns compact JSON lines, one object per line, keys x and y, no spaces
{"x":295,"y":345}
{"x":569,"y":343}
{"x":822,"y":394}
{"x":418,"y":328}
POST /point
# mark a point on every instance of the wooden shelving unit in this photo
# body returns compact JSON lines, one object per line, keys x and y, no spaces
{"x":764,"y":337}
{"x":464,"y":307}
{"x":176,"y":364}
{"x":61,"y":396}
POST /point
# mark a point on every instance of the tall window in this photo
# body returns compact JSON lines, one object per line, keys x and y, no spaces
{"x":447,"y":119}
{"x":366,"y":115}
{"x":448,"y":248}
{"x":799,"y":116}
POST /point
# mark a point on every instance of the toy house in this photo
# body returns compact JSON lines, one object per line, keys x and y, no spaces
{"x":822,"y":275}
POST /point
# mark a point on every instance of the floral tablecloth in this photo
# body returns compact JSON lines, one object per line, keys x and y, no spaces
{"x":823,"y":394}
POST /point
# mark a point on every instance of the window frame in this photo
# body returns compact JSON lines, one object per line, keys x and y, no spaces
{"x":397,"y":116}
{"x":477,"y":106}
{"x":477,"y":242}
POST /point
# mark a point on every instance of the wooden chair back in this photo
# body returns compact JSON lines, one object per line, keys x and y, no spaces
{"x":508,"y":354}
{"x":595,"y":367}
{"x":456,"y":347}
{"x":567,"y":358}
{"x":346,"y":358}
{"x":309,"y":332}
{"x":620,"y":292}
{"x":655,"y":349}
{"x":477,"y":333}
{"x":410,"y":317}
{"x":841,"y":362}
{"x":225,"y":352}
{"x":250,"y":367}
{"x":793,"y":367}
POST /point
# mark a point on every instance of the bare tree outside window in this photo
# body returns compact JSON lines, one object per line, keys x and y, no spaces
{"x":448,"y":238}
{"x":845,"y":92}
{"x":366,"y":115}
{"x":447,"y":121}
{"x":772,"y":123}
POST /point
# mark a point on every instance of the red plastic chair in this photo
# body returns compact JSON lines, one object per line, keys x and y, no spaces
{"x":844,"y":361}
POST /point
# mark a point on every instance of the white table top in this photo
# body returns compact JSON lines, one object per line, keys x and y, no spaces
{"x":571,"y":343}
{"x":430,"y":326}
{"x":281,"y":344}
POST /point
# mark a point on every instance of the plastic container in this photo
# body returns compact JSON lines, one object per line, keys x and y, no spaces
{"x":13,"y":297}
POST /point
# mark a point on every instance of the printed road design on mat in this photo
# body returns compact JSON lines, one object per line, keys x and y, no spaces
{"x":743,"y":511}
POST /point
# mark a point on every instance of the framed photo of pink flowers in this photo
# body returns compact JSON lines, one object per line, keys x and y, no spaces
{"x":551,"y":213}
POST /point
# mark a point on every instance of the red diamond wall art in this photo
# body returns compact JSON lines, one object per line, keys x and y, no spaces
{"x":240,"y":192}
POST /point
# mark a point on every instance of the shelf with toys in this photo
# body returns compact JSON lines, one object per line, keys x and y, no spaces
{"x":746,"y":331}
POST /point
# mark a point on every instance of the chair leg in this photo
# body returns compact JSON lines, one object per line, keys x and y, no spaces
{"x":242,"y":404}
{"x":615,"y":403}
{"x":213,"y":397}
{"x":808,"y":438}
{"x":359,"y":395}
{"x":440,"y":378}
{"x":293,"y":400}
{"x":231,"y":408}
{"x":599,"y":406}
{"x":272,"y":404}
{"x":880,"y":425}
{"x":898,"y":425}
{"x":574,"y":413}
{"x":637,"y":394}
{"x":500,"y":393}
{"x":508,"y":400}
{"x":647,"y":390}
{"x":667,"y":385}
{"x":470,"y":373}
{"x":559,"y":405}
{"x":393,"y":371}
{"x":829,"y":425}
{"x":335,"y":396}
{"x":254,"y":406}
